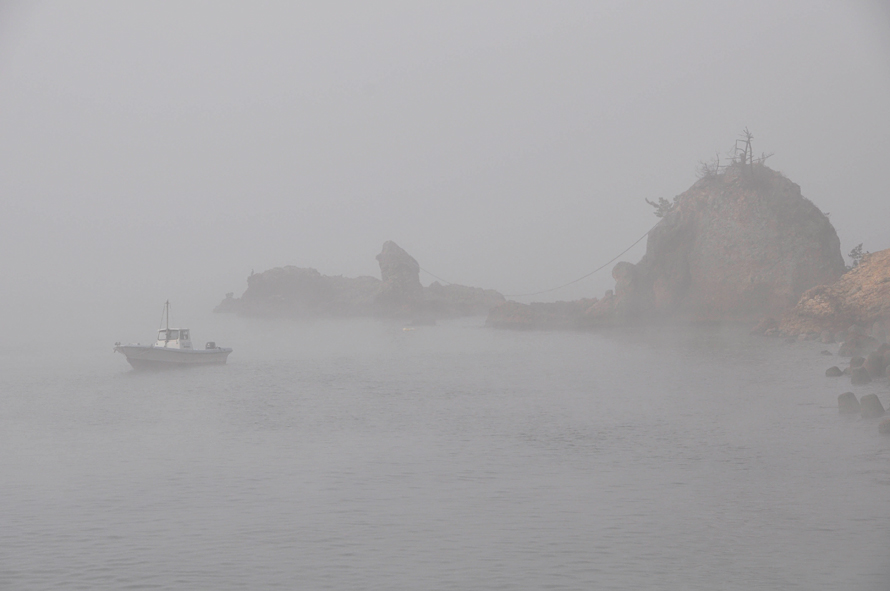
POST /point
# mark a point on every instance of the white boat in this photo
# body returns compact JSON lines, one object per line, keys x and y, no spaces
{"x":172,"y":349}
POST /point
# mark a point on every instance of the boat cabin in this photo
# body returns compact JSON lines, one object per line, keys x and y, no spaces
{"x":174,"y":338}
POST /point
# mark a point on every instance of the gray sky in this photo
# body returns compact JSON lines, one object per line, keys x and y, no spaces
{"x":162,"y":150}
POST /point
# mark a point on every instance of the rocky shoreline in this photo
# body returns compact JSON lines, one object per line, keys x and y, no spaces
{"x":741,"y":246}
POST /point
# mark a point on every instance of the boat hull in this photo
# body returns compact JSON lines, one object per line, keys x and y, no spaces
{"x":151,"y":357}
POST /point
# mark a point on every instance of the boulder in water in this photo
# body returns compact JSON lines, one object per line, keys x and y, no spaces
{"x":859,"y":376}
{"x":848,"y":404}
{"x":768,"y":324}
{"x":833,"y":372}
{"x":871,"y":406}
{"x":874,"y":365}
{"x":857,"y":345}
{"x":884,"y":427}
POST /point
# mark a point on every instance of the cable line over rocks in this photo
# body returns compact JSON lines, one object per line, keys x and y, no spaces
{"x":600,"y":268}
{"x":534,"y":293}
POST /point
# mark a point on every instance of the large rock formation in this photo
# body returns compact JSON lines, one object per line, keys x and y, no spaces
{"x":860,"y":297}
{"x":736,"y":246}
{"x":300,"y":292}
{"x":401,"y":293}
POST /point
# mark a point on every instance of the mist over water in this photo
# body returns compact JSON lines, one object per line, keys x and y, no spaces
{"x":354,"y":454}
{"x":153,"y":151}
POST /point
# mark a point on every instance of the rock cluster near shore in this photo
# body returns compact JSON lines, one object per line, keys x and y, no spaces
{"x":861,"y":297}
{"x":304,"y":292}
{"x":736,"y":246}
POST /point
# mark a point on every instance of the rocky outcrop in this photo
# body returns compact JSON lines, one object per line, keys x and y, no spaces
{"x":298,"y":292}
{"x":401,"y":293}
{"x":304,"y":292}
{"x":736,"y":247}
{"x":861,"y":297}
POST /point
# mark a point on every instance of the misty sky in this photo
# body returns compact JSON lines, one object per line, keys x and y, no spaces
{"x":154,"y":150}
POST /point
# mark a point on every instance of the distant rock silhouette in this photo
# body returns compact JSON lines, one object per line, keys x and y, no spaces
{"x":401,"y":293}
{"x":304,"y":292}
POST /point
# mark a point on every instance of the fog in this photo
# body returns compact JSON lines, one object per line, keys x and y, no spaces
{"x":166,"y":150}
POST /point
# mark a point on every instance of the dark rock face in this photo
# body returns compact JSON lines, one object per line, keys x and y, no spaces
{"x":738,"y":246}
{"x":859,"y":376}
{"x":871,"y":406}
{"x":847,"y":404}
{"x":833,"y":372}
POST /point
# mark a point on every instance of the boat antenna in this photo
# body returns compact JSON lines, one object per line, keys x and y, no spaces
{"x":166,"y":314}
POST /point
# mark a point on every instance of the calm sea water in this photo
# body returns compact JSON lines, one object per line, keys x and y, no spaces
{"x":356,"y":455}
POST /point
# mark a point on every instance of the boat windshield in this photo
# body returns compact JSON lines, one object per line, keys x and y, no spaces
{"x":168,"y":335}
{"x":184,"y":334}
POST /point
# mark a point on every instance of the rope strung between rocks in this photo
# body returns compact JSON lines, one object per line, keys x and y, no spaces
{"x":600,"y":268}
